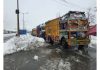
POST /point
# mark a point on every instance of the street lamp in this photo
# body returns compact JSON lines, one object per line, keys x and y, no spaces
{"x":23,"y":20}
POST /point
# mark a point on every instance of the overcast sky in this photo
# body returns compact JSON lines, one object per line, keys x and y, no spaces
{"x":40,"y":11}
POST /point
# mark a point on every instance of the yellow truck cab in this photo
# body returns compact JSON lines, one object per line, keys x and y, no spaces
{"x":52,"y":29}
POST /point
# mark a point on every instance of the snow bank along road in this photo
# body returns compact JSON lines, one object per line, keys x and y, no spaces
{"x":24,"y":42}
{"x":8,"y":36}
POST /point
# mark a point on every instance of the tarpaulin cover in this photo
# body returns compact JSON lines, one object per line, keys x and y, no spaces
{"x":92,"y":30}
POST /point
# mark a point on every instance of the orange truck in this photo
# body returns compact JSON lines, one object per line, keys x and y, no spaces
{"x":69,"y":29}
{"x":52,"y":29}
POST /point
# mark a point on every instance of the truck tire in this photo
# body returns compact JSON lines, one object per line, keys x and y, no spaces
{"x":83,"y":48}
{"x":86,"y":48}
{"x":50,"y":40}
{"x":80,"y":47}
{"x":64,"y":43}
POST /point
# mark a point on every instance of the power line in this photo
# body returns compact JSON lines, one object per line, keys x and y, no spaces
{"x":64,"y":1}
{"x":73,"y":4}
{"x":66,"y":4}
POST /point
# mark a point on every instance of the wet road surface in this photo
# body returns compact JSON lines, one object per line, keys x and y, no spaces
{"x":50,"y":58}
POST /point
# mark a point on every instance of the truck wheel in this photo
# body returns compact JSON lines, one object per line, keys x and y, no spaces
{"x":64,"y":43}
{"x":83,"y":48}
{"x":80,"y":47}
{"x":86,"y":48}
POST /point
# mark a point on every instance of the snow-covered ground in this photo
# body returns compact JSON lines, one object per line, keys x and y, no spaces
{"x":58,"y":64}
{"x":6,"y":37}
{"x":93,"y":41}
{"x":24,"y":42}
{"x":11,"y":34}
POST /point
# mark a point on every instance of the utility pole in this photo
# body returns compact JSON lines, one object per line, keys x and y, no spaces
{"x":17,"y":12}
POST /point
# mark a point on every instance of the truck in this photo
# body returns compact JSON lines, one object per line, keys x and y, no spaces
{"x":40,"y":30}
{"x":69,"y":30}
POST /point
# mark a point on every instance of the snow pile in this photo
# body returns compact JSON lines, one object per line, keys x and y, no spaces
{"x":74,"y":59}
{"x":24,"y":42}
{"x":58,"y":50}
{"x":36,"y":57}
{"x":93,"y":40}
{"x":64,"y":65}
{"x":57,"y":64}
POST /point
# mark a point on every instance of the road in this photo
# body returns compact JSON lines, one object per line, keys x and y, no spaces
{"x":51,"y":58}
{"x":8,"y":36}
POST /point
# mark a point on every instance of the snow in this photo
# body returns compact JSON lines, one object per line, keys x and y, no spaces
{"x":93,"y":40}
{"x":24,"y":42}
{"x":36,"y":57}
{"x":58,"y":64}
{"x":64,"y":65}
{"x":11,"y":34}
{"x":58,"y":50}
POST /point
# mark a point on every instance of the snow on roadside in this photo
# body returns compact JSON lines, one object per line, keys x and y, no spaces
{"x":93,"y":40}
{"x":7,"y":35}
{"x":24,"y":42}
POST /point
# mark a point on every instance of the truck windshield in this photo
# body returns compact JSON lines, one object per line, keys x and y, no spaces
{"x":77,"y":15}
{"x":79,"y":35}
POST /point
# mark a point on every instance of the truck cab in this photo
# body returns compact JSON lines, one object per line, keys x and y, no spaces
{"x":74,"y":26}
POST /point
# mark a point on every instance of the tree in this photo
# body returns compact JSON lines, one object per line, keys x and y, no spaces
{"x":91,"y":15}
